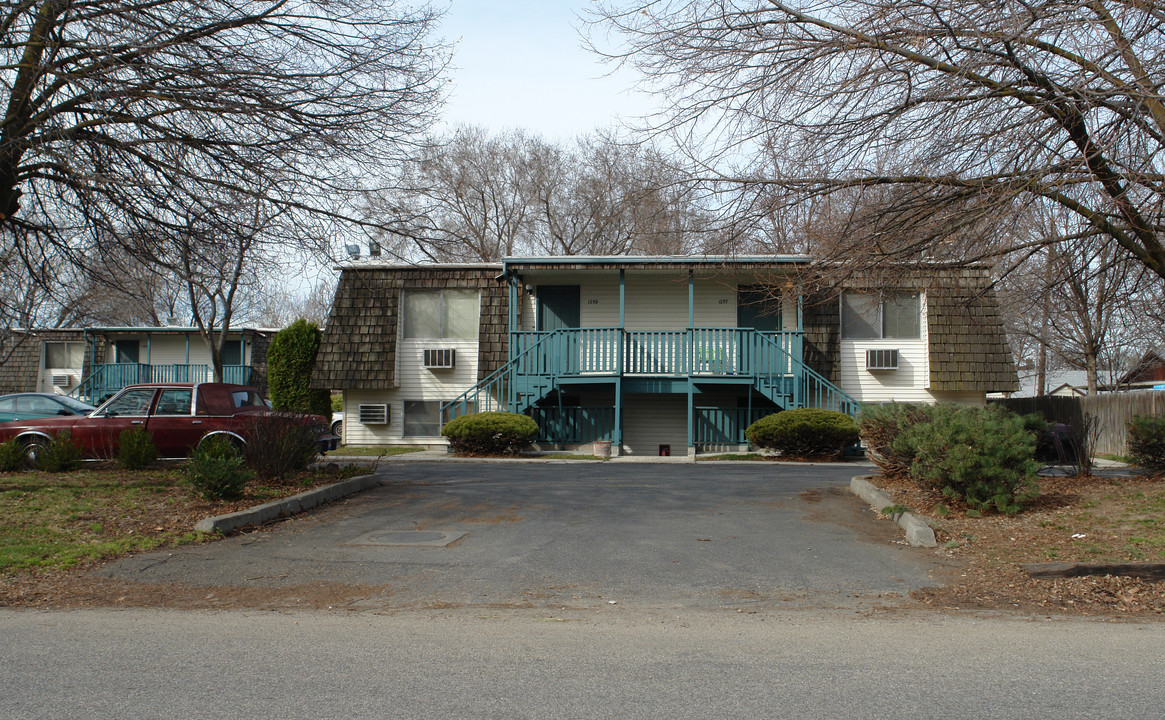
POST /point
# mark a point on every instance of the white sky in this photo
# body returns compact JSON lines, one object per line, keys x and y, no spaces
{"x":520,"y":64}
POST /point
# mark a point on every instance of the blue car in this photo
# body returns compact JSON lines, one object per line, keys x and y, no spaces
{"x":26,"y":406}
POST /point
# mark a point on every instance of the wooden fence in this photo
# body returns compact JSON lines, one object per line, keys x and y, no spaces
{"x":1110,"y":412}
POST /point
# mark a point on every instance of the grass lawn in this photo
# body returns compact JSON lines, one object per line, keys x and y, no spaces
{"x":372,"y":450}
{"x":58,"y":521}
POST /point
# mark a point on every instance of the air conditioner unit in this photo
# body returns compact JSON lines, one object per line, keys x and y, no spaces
{"x":374,"y":414}
{"x":440,"y":358}
{"x":881,"y":360}
{"x":63,"y":381}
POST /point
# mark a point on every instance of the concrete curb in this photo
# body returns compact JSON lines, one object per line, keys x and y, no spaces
{"x":918,"y":532}
{"x":267,"y":512}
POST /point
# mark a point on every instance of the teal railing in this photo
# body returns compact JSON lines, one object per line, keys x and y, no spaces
{"x":573,"y":424}
{"x":724,"y":426}
{"x":541,"y":359}
{"x":108,"y":378}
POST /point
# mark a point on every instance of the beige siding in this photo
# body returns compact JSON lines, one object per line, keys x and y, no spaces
{"x":653,"y":420}
{"x":416,"y":383}
{"x":909,"y":383}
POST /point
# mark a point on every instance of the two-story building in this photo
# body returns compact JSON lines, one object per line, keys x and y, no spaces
{"x":654,"y":354}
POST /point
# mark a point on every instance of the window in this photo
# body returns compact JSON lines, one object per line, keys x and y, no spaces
{"x":173,"y":402}
{"x":432,"y":314}
{"x":892,"y":316}
{"x":134,"y":402}
{"x":232,"y":352}
{"x":422,"y":418}
{"x":247,"y":398}
{"x":59,"y":355}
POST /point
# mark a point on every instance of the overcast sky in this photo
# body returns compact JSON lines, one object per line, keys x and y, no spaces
{"x":520,"y":64}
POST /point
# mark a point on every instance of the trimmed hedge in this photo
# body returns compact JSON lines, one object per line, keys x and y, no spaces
{"x":981,"y":456}
{"x":1147,"y":441}
{"x":290,"y":360}
{"x":490,"y":433}
{"x":135,"y":449}
{"x":12,"y":457}
{"x":60,"y":454}
{"x":805,"y":432}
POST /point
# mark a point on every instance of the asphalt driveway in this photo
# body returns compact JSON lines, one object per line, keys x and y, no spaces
{"x":570,"y":535}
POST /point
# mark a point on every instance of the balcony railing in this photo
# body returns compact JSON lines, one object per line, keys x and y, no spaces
{"x":108,"y":378}
{"x":693,"y":351}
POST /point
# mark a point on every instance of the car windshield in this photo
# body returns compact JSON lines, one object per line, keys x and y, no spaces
{"x":75,"y":405}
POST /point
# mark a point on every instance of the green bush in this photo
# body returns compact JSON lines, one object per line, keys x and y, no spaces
{"x":881,"y":427}
{"x":216,"y":470}
{"x":982,"y":456}
{"x":135,"y":449}
{"x":805,"y":432}
{"x":280,"y":444}
{"x":490,"y":432}
{"x":290,"y":360}
{"x":1147,"y":441}
{"x":59,"y":454}
{"x":12,"y":457}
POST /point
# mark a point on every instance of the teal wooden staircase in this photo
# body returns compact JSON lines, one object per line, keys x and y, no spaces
{"x":543,"y":361}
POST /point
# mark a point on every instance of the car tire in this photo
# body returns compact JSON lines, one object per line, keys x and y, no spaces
{"x":32,"y":447}
{"x":337,"y":428}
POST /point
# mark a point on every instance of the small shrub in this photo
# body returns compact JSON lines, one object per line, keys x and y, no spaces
{"x":280,"y":444}
{"x":805,"y":432}
{"x":59,"y":454}
{"x":490,"y":433}
{"x":982,"y":456}
{"x":11,"y":456}
{"x":880,"y":427}
{"x":1147,"y":441}
{"x":216,"y":469}
{"x":135,"y":449}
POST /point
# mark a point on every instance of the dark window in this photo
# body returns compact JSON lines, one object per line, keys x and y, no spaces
{"x":131,"y":402}
{"x":173,"y":402}
{"x":232,"y":352}
{"x":422,"y":418}
{"x":890,"y":316}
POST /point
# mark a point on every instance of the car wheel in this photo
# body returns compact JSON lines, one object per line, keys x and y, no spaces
{"x":32,"y":448}
{"x":337,"y":427}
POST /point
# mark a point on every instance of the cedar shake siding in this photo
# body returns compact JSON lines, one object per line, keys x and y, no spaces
{"x":968,"y":345}
{"x":21,"y":370}
{"x":359,"y":343}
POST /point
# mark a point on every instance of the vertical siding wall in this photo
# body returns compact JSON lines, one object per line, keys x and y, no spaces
{"x":653,"y":420}
{"x":654,"y":301}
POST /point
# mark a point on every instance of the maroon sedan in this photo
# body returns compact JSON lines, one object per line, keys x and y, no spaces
{"x":178,"y":416}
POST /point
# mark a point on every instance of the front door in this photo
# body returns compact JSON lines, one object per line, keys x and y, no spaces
{"x":758,"y":310}
{"x":558,"y":307}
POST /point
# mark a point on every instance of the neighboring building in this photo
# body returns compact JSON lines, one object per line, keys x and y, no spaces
{"x":654,"y":354}
{"x":93,"y":363}
{"x":1148,"y":373}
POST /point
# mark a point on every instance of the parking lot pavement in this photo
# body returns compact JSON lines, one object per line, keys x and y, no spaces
{"x":574,"y":535}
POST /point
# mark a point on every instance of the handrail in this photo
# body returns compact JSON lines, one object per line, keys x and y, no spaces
{"x":827,"y":395}
{"x":496,"y":377}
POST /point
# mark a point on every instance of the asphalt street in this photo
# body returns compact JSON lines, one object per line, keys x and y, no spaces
{"x":752,"y":536}
{"x":616,"y":663}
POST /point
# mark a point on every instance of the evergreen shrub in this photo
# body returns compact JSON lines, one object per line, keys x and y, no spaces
{"x":135,"y":449}
{"x":982,"y":456}
{"x":216,"y":470}
{"x":280,"y":444}
{"x":290,"y":359}
{"x":1146,"y":441}
{"x":881,"y":427}
{"x":12,"y":456}
{"x":59,"y":454}
{"x":489,"y":433}
{"x":804,"y":432}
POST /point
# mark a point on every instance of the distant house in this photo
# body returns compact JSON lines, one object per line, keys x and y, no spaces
{"x":93,"y":363}
{"x":1148,"y":373}
{"x":654,"y":354}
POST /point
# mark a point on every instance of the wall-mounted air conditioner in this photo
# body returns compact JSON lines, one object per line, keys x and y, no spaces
{"x":440,"y":358}
{"x":63,"y":381}
{"x":881,"y":359}
{"x":374,"y":414}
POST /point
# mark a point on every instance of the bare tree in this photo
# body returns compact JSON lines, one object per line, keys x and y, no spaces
{"x":971,"y":109}
{"x":124,"y":119}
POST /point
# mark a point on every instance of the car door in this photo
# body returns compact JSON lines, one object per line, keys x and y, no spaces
{"x":173,"y":425}
{"x":97,"y":434}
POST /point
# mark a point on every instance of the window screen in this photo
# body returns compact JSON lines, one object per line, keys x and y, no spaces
{"x":64,"y":355}
{"x":422,"y":418}
{"x":900,"y":316}
{"x":859,"y":316}
{"x":433,"y":314}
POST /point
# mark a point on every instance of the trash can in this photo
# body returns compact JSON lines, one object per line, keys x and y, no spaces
{"x":603,"y":448}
